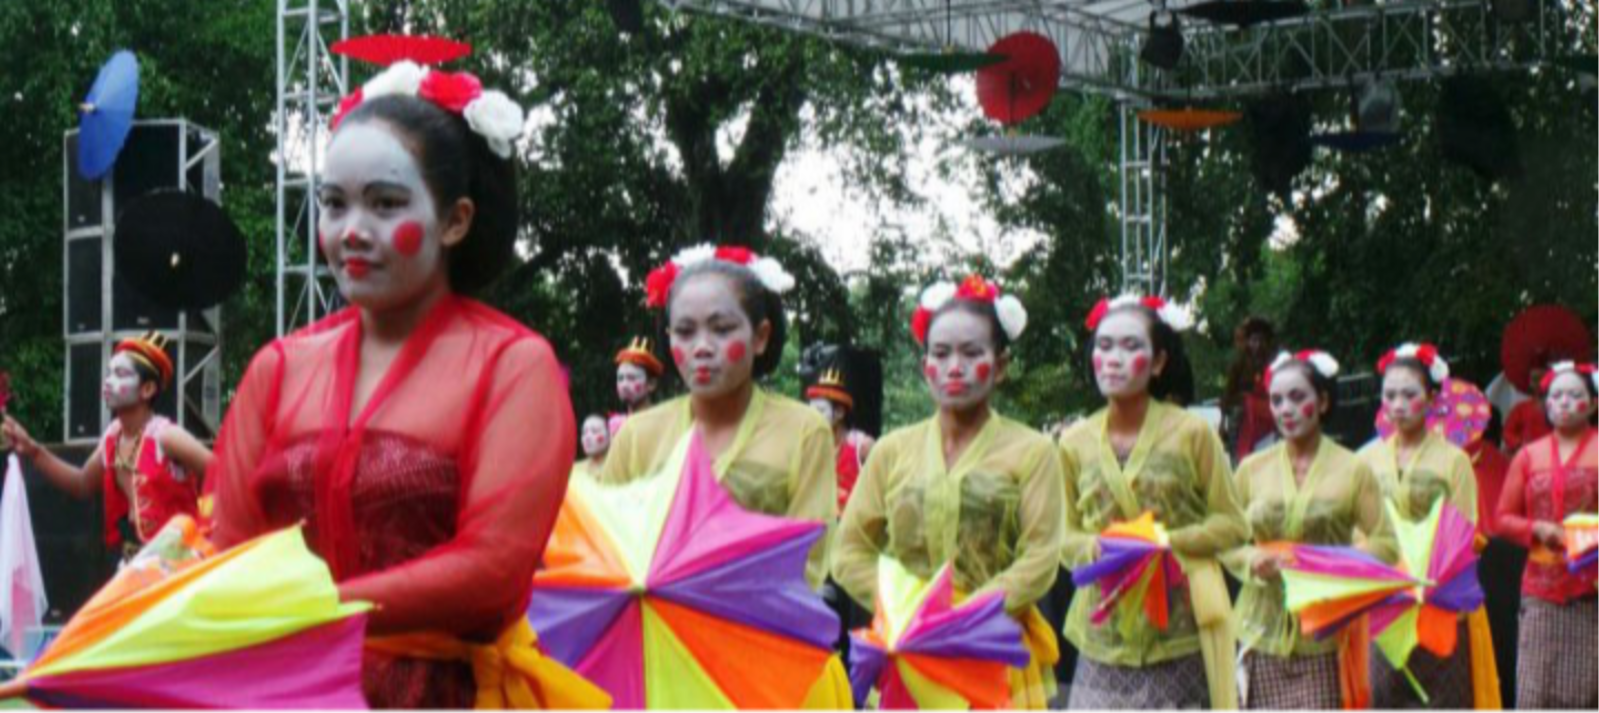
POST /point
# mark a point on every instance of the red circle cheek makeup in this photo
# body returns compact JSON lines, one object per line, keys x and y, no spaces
{"x":408,"y":238}
{"x":737,"y":351}
{"x":930,"y":371}
{"x":1140,"y":364}
{"x":677,"y":356}
{"x":984,"y":371}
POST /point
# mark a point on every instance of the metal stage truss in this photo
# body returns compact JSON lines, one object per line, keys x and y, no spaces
{"x":1099,"y":40}
{"x":310,"y":81}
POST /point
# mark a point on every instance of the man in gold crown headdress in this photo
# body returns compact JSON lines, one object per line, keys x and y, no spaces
{"x":147,"y":467}
{"x":638,"y":371}
{"x":830,"y":397}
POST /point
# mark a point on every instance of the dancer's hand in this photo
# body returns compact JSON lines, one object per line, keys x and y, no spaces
{"x":21,"y":442}
{"x":1552,"y":535}
{"x":1267,"y":566}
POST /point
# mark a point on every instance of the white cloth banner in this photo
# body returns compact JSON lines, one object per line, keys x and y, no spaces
{"x":22,"y":599}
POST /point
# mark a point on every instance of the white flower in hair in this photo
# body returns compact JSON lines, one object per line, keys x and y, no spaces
{"x":403,"y":77}
{"x":1012,"y":316}
{"x":936,"y":295}
{"x":772,"y":274}
{"x":1179,"y":319}
{"x":1323,"y":363}
{"x":695,"y":255}
{"x":498,"y":119}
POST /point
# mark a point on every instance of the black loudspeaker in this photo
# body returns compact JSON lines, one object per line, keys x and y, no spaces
{"x":1279,"y":130}
{"x":863,"y":374}
{"x":1475,"y":129}
{"x":102,"y":308}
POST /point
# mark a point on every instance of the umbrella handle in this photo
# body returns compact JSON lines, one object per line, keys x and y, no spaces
{"x":14,"y":688}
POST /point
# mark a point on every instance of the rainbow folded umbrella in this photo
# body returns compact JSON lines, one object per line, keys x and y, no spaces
{"x":257,"y":626}
{"x":1135,"y":564}
{"x":925,"y":651}
{"x":667,"y":594}
{"x":1415,"y":602}
{"x":1582,"y":541}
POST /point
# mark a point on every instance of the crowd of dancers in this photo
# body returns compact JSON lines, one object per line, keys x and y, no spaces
{"x":425,"y":441}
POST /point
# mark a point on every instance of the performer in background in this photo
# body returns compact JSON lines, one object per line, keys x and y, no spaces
{"x":831,"y":398}
{"x":596,"y":440}
{"x":1417,"y":467}
{"x":400,"y":430}
{"x":147,"y":468}
{"x":1247,"y":417}
{"x":1139,"y":454}
{"x":966,"y":485}
{"x":1306,"y":489}
{"x":638,"y":374}
{"x":1553,"y":477}
{"x":1528,"y":421}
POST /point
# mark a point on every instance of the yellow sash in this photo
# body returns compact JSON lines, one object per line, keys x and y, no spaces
{"x":510,"y":673}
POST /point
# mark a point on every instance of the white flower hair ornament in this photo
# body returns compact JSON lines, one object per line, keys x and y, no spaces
{"x":1427,"y":354}
{"x":1164,"y":311}
{"x":769,"y":272}
{"x":1321,"y":362}
{"x":1588,"y":371}
{"x":490,"y":114}
{"x":1009,"y":310}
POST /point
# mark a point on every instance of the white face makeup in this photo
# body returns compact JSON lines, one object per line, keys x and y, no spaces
{"x":960,"y":366}
{"x":1568,"y":403}
{"x":1405,"y":398}
{"x":632,"y":384}
{"x":596,"y":436}
{"x":713,"y":343}
{"x":378,"y":225}
{"x":826,"y":409}
{"x":1296,"y":406}
{"x":1124,"y":356}
{"x":121,"y":388}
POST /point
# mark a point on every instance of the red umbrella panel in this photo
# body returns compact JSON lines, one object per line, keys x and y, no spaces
{"x":1542,"y":334}
{"x":1021,"y":86}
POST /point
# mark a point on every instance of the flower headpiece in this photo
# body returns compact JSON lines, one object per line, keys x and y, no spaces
{"x":640,"y":354}
{"x":1427,"y":354}
{"x":490,"y":114}
{"x":1321,"y":361}
{"x":658,"y":285}
{"x":1154,"y":303}
{"x":1567,"y":367}
{"x":149,"y":349}
{"x":1012,"y":315}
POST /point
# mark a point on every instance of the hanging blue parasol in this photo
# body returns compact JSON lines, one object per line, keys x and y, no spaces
{"x":106,"y":114}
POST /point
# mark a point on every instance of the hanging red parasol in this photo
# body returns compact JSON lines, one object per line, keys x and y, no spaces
{"x":384,"y":50}
{"x":1021,"y":86}
{"x":1542,"y":334}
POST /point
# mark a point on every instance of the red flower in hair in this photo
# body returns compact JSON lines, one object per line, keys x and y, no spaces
{"x":974,"y":287}
{"x":346,"y":105}
{"x":1426,"y":354}
{"x":450,"y":90}
{"x":659,"y":284}
{"x":1097,"y":314}
{"x":921,"y":319}
{"x":735,"y":254}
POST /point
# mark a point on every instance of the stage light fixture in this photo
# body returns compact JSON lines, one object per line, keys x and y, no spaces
{"x":1163,"y":46}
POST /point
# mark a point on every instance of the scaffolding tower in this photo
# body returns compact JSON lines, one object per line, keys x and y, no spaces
{"x":310,"y":81}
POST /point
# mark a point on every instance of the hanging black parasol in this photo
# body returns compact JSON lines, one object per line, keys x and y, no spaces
{"x":179,"y":250}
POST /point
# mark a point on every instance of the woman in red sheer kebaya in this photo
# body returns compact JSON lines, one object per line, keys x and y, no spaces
{"x":423,"y":438}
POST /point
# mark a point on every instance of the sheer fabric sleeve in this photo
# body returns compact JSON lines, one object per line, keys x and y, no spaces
{"x":1371,"y":518}
{"x":814,"y":494}
{"x":619,"y":466}
{"x":514,"y":462}
{"x":1037,"y":562}
{"x":1240,"y":560}
{"x":1463,"y":494}
{"x":1223,"y":527}
{"x":1514,"y":524}
{"x":1078,"y":546}
{"x":246,"y":432}
{"x":863,"y":532}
